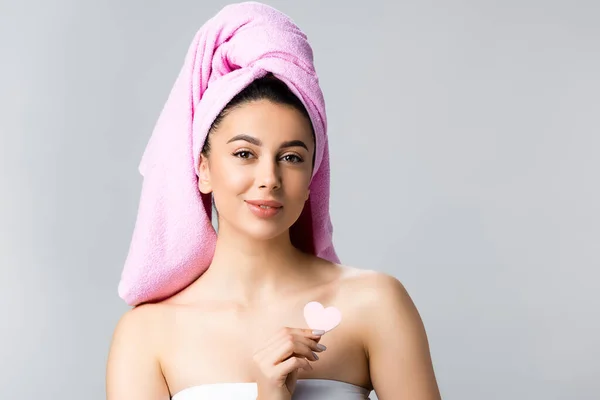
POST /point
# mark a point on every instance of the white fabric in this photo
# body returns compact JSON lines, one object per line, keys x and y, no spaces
{"x":306,"y":389}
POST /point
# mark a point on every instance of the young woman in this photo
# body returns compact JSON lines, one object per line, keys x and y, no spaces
{"x":238,"y":330}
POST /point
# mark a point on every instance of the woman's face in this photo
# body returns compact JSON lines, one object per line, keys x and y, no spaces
{"x":261,"y":152}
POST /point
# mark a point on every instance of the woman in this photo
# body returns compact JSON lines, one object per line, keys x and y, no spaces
{"x":238,"y":330}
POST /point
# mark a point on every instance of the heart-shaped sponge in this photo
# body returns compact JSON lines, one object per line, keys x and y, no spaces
{"x":321,"y":318}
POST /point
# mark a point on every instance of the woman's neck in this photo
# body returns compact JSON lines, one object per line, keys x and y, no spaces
{"x":252,"y":271}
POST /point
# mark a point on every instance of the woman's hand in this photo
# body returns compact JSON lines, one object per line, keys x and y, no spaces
{"x":280,"y":360}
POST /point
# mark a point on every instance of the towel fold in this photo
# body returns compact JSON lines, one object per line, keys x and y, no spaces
{"x":173,"y":240}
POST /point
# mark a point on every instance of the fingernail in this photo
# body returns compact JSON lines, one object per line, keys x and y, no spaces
{"x":321,"y":347}
{"x":316,"y":356}
{"x":318,"y":332}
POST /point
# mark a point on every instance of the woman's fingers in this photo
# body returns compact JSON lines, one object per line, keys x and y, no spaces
{"x":283,"y":355}
{"x":292,"y":348}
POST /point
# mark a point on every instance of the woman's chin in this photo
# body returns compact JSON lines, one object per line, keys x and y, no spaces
{"x":260,"y":229}
{"x":264,"y":234}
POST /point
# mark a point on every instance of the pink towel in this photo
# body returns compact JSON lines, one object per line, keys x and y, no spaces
{"x":173,"y":240}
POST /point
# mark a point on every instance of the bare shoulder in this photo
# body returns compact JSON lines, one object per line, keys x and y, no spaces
{"x":133,"y":370}
{"x":142,"y":328}
{"x":373,"y":289}
{"x":381,"y":306}
{"x":393,"y":335}
{"x":136,"y":316}
{"x":139,"y":324}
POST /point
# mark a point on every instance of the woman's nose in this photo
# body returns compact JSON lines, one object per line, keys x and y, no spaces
{"x":269,"y":175}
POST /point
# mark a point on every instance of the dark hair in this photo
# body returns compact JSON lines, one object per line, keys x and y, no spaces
{"x":265,"y":88}
{"x":273,"y":89}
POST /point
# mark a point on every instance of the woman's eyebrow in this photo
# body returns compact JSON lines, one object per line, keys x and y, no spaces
{"x":247,"y":138}
{"x":257,"y":142}
{"x":294,"y":143}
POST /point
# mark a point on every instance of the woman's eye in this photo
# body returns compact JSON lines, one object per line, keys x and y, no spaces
{"x":292,"y":158}
{"x":242,"y":154}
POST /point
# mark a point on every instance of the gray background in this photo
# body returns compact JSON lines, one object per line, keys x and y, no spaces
{"x":464,"y":139}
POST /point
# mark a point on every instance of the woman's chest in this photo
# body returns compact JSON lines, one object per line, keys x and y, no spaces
{"x":219,"y":347}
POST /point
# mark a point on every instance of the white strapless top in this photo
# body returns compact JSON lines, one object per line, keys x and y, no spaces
{"x":306,"y":389}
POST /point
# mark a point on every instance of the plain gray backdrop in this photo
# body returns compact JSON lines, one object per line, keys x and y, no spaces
{"x":465,"y":159}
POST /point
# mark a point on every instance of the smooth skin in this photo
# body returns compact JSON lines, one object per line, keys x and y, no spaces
{"x":242,"y":320}
{"x":280,"y":361}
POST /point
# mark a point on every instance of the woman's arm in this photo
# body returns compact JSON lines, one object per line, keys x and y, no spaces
{"x":396,"y":344}
{"x":133,"y":371}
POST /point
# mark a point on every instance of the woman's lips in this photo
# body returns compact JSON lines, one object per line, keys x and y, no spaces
{"x":264,"y":208}
{"x":267,"y":203}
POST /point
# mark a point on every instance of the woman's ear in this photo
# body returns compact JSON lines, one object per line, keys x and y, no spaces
{"x":204,"y":175}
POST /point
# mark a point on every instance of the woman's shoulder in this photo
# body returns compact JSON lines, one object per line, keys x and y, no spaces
{"x":392,"y":333}
{"x":147,"y":324}
{"x":371,"y":287}
{"x":139,"y":322}
{"x":373,"y":296}
{"x":133,"y":362}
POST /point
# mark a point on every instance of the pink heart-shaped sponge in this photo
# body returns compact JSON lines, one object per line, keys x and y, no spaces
{"x":318,"y":317}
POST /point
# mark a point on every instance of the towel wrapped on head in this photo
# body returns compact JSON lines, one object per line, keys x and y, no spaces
{"x":173,"y":240}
